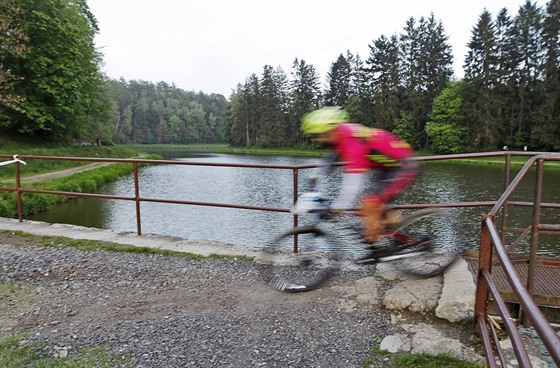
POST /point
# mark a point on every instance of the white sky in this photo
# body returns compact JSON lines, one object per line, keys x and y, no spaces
{"x":212,"y":45}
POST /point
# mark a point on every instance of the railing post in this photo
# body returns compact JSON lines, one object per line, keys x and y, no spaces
{"x":507,"y":174}
{"x":531,"y":273}
{"x":18,"y":193}
{"x":484,"y":262}
{"x":137,"y":199}
{"x":296,"y":194}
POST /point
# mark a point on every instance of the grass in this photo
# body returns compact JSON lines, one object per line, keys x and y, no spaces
{"x":17,"y":351}
{"x":25,"y":239}
{"x":224,"y":148}
{"x":11,"y":145}
{"x":419,"y":360}
{"x":83,"y":182}
{"x":432,"y":361}
{"x":516,"y":161}
{"x":42,"y":166}
{"x":14,"y":294}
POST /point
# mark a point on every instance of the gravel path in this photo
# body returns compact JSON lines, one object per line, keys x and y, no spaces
{"x":167,"y":311}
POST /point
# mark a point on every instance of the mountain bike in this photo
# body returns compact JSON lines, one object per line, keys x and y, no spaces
{"x":415,"y":244}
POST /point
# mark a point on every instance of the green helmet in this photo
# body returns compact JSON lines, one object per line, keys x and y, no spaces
{"x":323,"y":120}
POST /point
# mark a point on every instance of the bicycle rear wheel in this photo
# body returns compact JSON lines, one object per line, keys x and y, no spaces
{"x":308,"y":269}
{"x":423,"y":245}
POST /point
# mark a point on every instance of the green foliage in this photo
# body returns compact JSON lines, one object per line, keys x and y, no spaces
{"x":510,"y":93}
{"x":84,"y":182}
{"x":51,"y":87}
{"x":512,"y":78}
{"x":445,"y":138}
{"x":58,"y":76}
{"x":445,"y":130}
{"x":13,"y":40}
{"x":432,"y":361}
{"x":404,"y":128}
{"x":18,"y":351}
{"x":41,"y":166}
{"x":144,"y":112}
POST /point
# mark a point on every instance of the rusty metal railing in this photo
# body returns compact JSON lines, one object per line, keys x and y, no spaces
{"x":137,"y":198}
{"x":490,"y":241}
{"x":490,"y":237}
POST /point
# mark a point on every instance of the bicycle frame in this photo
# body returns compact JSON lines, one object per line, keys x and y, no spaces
{"x":314,"y":203}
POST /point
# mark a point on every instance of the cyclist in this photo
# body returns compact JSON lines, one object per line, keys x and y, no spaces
{"x":361,"y":149}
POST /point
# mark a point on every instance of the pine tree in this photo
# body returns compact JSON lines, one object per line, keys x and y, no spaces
{"x":305,"y":96}
{"x":273,"y":123}
{"x":426,"y":66}
{"x":339,"y":80}
{"x":385,"y":81}
{"x":545,"y":131}
{"x":481,"y":78}
{"x":526,"y":35}
{"x":505,"y":91}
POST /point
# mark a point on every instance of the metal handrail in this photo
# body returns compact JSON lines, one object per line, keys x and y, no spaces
{"x":489,"y":234}
{"x":490,"y":241}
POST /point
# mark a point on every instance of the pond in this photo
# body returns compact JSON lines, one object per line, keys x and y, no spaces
{"x":439,"y":183}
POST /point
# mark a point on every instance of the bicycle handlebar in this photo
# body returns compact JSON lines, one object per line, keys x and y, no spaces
{"x":15,"y":159}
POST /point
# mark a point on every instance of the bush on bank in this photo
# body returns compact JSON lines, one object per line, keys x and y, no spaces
{"x":84,"y":182}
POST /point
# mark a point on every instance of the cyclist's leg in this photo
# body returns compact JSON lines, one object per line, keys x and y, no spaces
{"x":374,"y":209}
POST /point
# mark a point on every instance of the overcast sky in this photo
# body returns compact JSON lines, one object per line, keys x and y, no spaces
{"x":212,"y":45}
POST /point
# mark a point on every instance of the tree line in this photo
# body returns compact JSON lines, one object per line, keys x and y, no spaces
{"x":509,"y":95}
{"x":144,"y":112}
{"x":51,"y":87}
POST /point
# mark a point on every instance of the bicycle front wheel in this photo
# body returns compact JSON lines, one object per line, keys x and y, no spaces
{"x":307,"y":269}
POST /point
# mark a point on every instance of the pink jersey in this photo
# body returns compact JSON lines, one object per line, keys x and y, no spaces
{"x":361,"y":148}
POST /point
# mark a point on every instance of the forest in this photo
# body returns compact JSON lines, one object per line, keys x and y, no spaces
{"x":52,"y":89}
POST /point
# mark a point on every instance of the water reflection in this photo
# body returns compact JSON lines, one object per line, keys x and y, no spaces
{"x":439,"y":183}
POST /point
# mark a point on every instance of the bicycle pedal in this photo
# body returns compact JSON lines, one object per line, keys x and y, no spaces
{"x":368,"y":259}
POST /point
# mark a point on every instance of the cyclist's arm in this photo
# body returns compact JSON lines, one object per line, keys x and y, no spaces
{"x":327,"y":164}
{"x":351,"y":187}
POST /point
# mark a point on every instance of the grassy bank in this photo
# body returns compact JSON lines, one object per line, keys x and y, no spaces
{"x":83,"y":182}
{"x":516,"y":161}
{"x":224,"y":148}
{"x":41,"y":166}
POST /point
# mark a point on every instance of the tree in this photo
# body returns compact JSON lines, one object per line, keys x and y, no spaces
{"x":59,"y":76}
{"x":384,"y":75}
{"x":482,"y":79}
{"x":13,"y":44}
{"x":426,"y":59}
{"x":273,"y":123}
{"x":339,"y":79}
{"x":545,"y":131}
{"x":404,"y":128}
{"x":527,"y":28}
{"x":445,"y":129}
{"x":360,"y":107}
{"x":305,"y":96}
